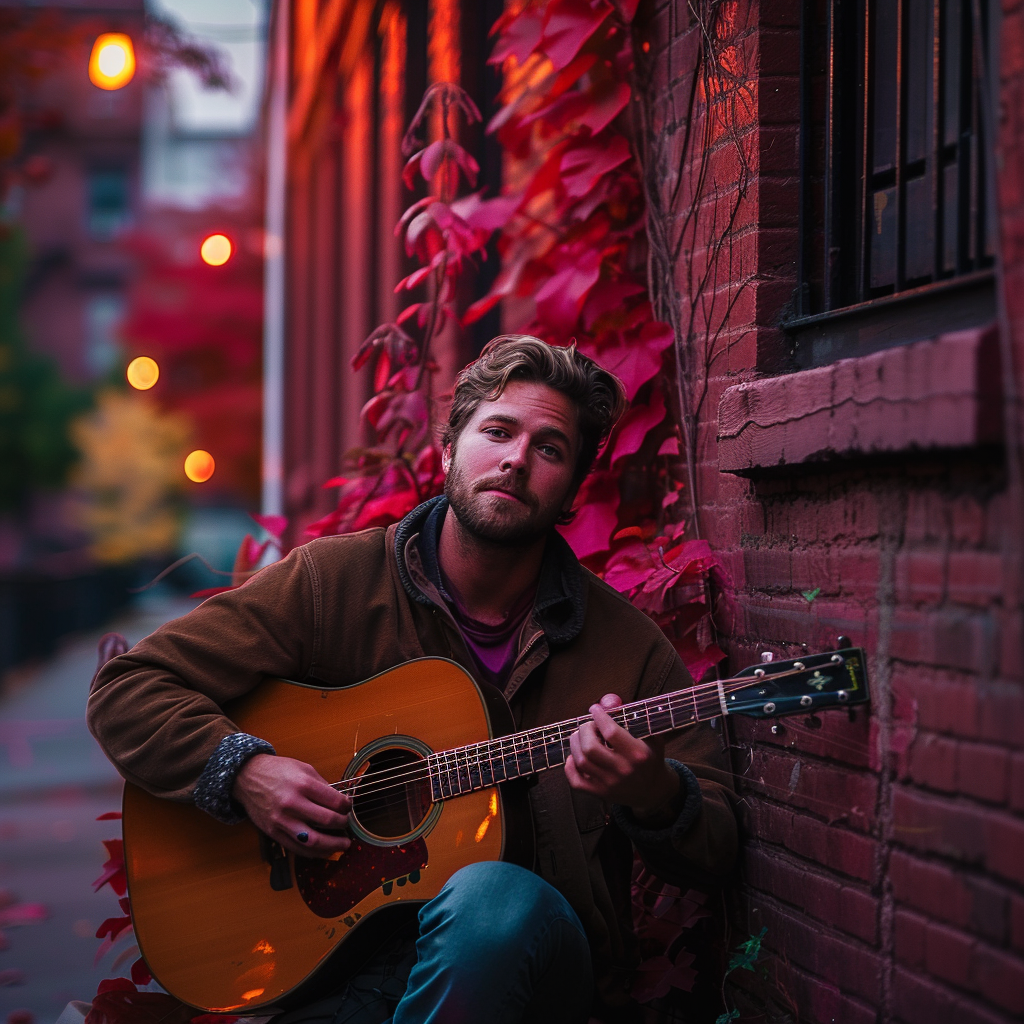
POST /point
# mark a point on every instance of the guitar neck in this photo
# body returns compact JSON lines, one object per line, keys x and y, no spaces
{"x":478,"y":765}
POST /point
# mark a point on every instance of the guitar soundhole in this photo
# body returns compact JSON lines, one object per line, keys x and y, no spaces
{"x":393,"y":794}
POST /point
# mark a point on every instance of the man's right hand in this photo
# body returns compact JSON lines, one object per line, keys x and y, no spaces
{"x":284,"y":797}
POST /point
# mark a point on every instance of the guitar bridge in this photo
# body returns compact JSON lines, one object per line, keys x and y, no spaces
{"x":277,"y":857}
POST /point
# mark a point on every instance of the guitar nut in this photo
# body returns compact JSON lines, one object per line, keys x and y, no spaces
{"x":769,"y":708}
{"x":758,"y":673}
{"x":806,"y":701}
{"x":799,"y":666}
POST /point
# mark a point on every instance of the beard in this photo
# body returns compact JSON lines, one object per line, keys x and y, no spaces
{"x":498,"y":520}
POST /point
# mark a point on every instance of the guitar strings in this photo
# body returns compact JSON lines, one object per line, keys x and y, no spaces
{"x":422,"y":770}
{"x":391,"y":778}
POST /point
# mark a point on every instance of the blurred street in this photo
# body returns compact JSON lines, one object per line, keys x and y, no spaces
{"x":54,"y":782}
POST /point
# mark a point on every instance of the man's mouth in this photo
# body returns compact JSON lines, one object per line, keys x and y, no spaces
{"x":504,"y":494}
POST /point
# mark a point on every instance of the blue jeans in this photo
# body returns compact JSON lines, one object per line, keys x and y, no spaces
{"x":497,"y":945}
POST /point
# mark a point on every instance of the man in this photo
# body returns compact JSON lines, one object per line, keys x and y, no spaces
{"x":479,"y":576}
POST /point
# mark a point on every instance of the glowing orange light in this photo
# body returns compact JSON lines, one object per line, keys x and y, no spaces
{"x":142,"y":373}
{"x":252,"y":993}
{"x":199,"y":466}
{"x":112,"y":62}
{"x":492,"y":813}
{"x":216,"y":250}
{"x":263,"y":947}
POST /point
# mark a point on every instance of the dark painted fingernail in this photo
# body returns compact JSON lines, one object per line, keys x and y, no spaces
{"x":303,"y":837}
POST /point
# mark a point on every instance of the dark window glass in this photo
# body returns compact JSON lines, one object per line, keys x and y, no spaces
{"x":109,"y":210}
{"x":893,"y":150}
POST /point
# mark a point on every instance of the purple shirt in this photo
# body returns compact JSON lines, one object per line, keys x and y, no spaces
{"x":494,"y":648}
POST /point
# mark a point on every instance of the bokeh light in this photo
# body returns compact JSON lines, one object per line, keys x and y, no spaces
{"x":112,"y":63}
{"x":199,"y":466}
{"x":142,"y":373}
{"x":216,"y":250}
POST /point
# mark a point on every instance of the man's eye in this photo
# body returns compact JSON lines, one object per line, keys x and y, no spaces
{"x":551,"y":451}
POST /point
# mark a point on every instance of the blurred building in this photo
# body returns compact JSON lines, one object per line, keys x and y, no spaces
{"x":86,"y":145}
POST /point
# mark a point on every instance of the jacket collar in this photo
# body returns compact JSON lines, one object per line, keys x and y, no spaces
{"x":561,"y":602}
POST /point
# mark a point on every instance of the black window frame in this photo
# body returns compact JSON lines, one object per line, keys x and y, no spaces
{"x":844,"y":304}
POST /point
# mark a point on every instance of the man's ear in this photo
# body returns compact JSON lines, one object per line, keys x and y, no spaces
{"x":446,"y":458}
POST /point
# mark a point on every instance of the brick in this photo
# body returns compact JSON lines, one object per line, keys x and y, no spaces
{"x":983,"y":771}
{"x":779,"y":51}
{"x":836,"y":793}
{"x":843,"y":962}
{"x":949,"y":954}
{"x":837,"y":849}
{"x":975,"y":577}
{"x":967,"y":517}
{"x":943,"y":702}
{"x":952,"y":638}
{"x":909,"y":934}
{"x":1000,"y":977}
{"x":1017,"y":922}
{"x":767,"y":568}
{"x":952,"y":828}
{"x":921,"y":1000}
{"x":1017,"y":782}
{"x":933,"y":762}
{"x":931,"y":887}
{"x":857,"y":570}
{"x":819,"y":1000}
{"x":1004,"y":839}
{"x":921,"y":576}
{"x":1001,"y":713}
{"x":990,"y":908}
{"x":847,"y":908}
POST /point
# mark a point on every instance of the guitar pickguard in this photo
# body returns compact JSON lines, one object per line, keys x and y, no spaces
{"x":331,"y":888}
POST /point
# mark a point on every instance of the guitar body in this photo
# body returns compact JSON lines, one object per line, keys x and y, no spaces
{"x":228,"y":923}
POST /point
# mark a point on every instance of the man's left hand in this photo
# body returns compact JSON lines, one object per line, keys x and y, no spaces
{"x":609,"y":763}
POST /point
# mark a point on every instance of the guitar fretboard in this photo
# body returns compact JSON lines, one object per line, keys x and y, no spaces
{"x":478,"y":765}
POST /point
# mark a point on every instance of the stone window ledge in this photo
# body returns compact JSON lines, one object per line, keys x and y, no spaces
{"x":937,"y":394}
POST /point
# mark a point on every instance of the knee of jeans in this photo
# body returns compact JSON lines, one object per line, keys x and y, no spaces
{"x":502,"y":903}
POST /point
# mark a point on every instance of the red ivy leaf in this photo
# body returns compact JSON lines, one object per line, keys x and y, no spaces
{"x":113,"y":869}
{"x":570,"y":23}
{"x":110,"y":816}
{"x":598,"y":502}
{"x":274,"y":525}
{"x":113,"y":926}
{"x":636,"y":424}
{"x":142,"y":975}
{"x":583,"y":165}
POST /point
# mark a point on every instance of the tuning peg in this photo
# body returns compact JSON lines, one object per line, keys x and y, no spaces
{"x":812,"y":722}
{"x":842,"y":642}
{"x":766,"y":656}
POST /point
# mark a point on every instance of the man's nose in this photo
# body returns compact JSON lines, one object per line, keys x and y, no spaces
{"x":514,"y":457}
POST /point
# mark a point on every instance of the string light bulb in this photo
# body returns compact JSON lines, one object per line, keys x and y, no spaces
{"x":142,"y":373}
{"x":112,"y":62}
{"x":199,"y":466}
{"x":216,"y":250}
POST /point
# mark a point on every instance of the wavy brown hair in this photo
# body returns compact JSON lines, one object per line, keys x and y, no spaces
{"x":598,"y":395}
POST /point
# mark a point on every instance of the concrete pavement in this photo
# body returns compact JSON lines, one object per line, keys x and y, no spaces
{"x":54,"y":782}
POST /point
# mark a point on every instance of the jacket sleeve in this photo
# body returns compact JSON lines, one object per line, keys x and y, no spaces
{"x":701,"y":844}
{"x":157,"y":710}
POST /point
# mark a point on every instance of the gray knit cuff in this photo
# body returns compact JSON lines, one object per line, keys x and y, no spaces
{"x":213,"y":790}
{"x":687,"y":804}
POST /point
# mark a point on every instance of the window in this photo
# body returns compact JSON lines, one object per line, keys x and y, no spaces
{"x":895,"y":213}
{"x":109,"y":211}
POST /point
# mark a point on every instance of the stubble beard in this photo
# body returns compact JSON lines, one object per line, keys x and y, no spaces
{"x":495,"y":520}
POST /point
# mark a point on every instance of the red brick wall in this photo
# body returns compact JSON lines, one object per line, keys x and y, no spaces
{"x":885,"y":855}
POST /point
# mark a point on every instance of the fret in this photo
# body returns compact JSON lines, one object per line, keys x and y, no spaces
{"x":659,"y":717}
{"x":435,"y":781}
{"x":508,"y":759}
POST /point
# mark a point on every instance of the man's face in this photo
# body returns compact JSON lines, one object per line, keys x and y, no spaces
{"x":510,"y":471}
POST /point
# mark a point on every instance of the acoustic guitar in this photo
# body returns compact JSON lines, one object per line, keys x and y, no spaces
{"x":228,"y":922}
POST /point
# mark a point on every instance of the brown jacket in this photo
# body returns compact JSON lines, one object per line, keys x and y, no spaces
{"x":341,"y":609}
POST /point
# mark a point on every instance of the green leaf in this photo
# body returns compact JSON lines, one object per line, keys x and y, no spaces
{"x":724,"y":1018}
{"x":810,"y":595}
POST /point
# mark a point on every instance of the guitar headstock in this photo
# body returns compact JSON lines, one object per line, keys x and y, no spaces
{"x":834,"y":679}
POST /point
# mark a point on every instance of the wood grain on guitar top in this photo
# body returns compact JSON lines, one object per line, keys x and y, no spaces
{"x":211,"y":927}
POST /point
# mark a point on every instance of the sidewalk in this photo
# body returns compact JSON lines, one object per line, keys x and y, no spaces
{"x":54,"y":782}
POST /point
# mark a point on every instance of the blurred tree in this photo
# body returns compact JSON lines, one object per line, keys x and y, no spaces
{"x":130,"y":476}
{"x":36,"y":404}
